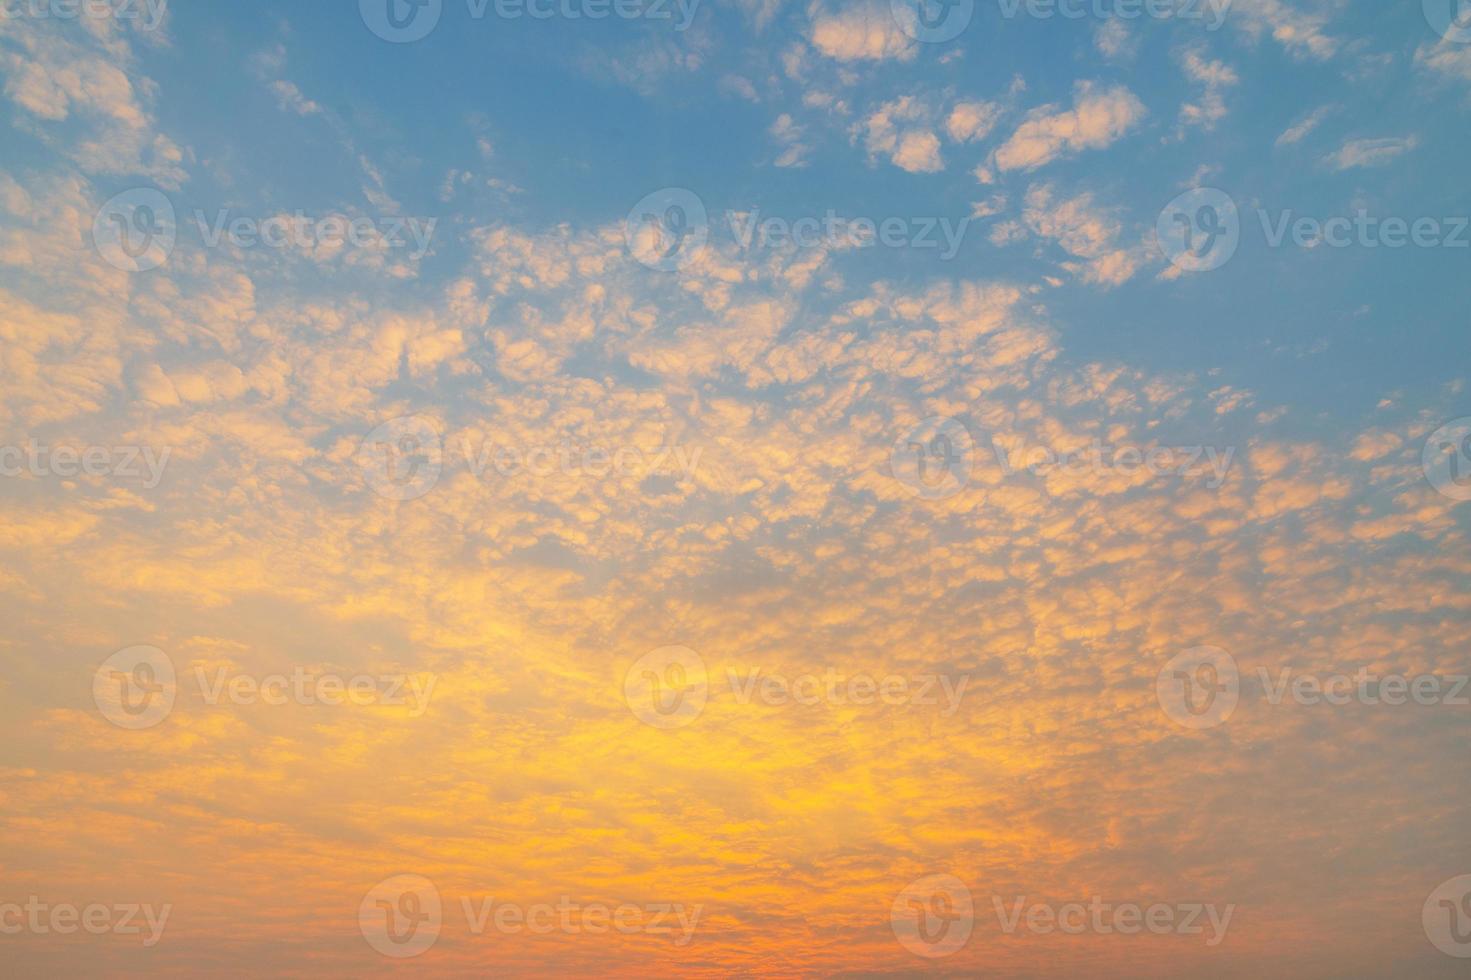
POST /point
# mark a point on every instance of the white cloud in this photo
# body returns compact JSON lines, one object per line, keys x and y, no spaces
{"x":901,"y":130}
{"x":1097,"y":119}
{"x":1300,"y":129}
{"x":1088,"y":233}
{"x":1370,"y":152}
{"x":787,"y":133}
{"x":865,"y":32}
{"x":1216,"y":77}
{"x":971,"y":121}
{"x":1113,"y":39}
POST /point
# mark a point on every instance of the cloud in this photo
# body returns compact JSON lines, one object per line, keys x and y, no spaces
{"x":1300,"y":129}
{"x":1215,"y":77}
{"x":1098,"y":117}
{"x":1447,"y":58}
{"x":1081,"y":229}
{"x":1370,"y":152}
{"x":865,"y":32}
{"x":900,"y":130}
{"x":790,"y":136}
{"x":972,"y":121}
{"x":1113,"y":39}
{"x":1298,"y":30}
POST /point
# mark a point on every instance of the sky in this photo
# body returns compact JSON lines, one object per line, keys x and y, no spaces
{"x":676,"y":487}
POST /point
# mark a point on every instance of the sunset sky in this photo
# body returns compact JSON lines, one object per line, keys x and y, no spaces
{"x":713,"y":488}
